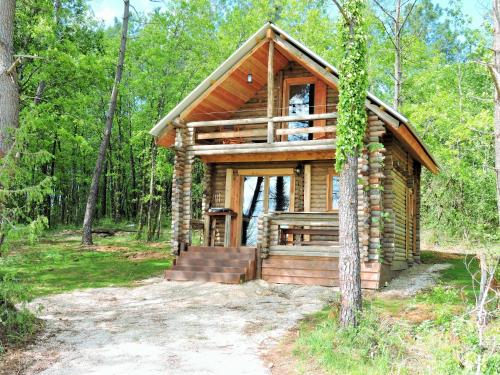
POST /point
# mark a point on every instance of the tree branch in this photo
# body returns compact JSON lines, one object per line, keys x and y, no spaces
{"x":342,"y":11}
{"x":390,"y":34}
{"x":13,"y":67}
{"x":385,"y":10}
{"x":407,"y":16}
{"x":495,"y":75}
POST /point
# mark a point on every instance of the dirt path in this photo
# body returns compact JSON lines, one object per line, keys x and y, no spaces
{"x":168,"y":328}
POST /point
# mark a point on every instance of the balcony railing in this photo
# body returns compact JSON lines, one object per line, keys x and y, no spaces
{"x":262,"y":134}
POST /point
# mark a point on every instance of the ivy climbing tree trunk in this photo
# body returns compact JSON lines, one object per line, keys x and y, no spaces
{"x":94,"y":187}
{"x":9,"y":93}
{"x":351,"y":128}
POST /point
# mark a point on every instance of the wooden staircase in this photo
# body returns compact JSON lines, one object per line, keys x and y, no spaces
{"x":229,"y":265}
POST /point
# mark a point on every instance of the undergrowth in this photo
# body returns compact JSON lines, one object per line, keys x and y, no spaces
{"x":17,"y":323}
{"x":431,"y":333}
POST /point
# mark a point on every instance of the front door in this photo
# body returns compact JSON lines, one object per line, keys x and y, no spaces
{"x":262,"y":194}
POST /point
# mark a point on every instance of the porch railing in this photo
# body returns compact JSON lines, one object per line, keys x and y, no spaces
{"x":299,"y":234}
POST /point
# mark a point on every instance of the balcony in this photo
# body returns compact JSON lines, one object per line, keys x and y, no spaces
{"x":262,"y":135}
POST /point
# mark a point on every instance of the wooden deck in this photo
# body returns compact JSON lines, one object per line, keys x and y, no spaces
{"x":313,"y":270}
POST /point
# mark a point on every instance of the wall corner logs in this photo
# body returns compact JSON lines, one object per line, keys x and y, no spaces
{"x":376,"y":158}
{"x":181,"y":187}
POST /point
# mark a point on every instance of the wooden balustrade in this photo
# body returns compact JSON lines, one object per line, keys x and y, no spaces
{"x":245,"y":135}
{"x":301,"y":234}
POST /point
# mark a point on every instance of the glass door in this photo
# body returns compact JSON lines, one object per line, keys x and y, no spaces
{"x":262,"y":194}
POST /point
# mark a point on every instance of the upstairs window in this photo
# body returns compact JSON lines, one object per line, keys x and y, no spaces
{"x":300,"y":102}
{"x":303,"y":96}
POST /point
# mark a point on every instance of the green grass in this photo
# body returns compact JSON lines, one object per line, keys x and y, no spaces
{"x":431,"y":333}
{"x":457,"y":275}
{"x":58,"y":263}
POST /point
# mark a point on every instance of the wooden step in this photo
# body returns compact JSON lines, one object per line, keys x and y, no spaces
{"x":209,"y":262}
{"x":221,"y":249}
{"x":210,"y":269}
{"x":220,"y":277}
{"x":220,"y":256}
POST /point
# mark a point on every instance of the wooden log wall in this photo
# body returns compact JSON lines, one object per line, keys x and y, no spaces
{"x":401,"y":199}
{"x":314,"y":271}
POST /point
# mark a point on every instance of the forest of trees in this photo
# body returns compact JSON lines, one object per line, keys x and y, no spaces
{"x":66,"y":74}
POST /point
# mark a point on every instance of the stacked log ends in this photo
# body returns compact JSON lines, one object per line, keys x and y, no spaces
{"x":376,"y":176}
{"x":263,"y":235}
{"x":363,"y":204}
{"x":181,"y":187}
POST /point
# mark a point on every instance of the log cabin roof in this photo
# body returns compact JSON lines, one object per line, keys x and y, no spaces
{"x":225,"y":90}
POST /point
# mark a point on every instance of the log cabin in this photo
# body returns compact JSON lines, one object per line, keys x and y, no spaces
{"x":263,"y":123}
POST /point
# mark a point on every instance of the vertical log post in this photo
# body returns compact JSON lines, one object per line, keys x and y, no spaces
{"x":228,"y":195}
{"x":177,"y":182}
{"x":270,"y":89}
{"x":206,"y":202}
{"x":187,"y":182}
{"x":376,"y":159}
{"x":181,"y":188}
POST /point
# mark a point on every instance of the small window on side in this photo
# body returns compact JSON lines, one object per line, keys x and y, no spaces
{"x":332,"y":191}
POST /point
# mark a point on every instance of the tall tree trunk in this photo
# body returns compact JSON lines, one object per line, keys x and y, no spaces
{"x":349,"y":260}
{"x":158,"y":222}
{"x":394,"y":30}
{"x":9,"y":92}
{"x":398,"y":73}
{"x":135,"y":196}
{"x":49,"y":202}
{"x":152,"y":183}
{"x":94,"y":187}
{"x":495,"y":70}
{"x":104,"y":187}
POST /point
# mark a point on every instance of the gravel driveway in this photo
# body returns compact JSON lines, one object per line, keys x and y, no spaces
{"x":164,"y":327}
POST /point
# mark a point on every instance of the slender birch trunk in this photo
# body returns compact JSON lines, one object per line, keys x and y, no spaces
{"x":94,"y":187}
{"x":495,"y":70}
{"x":398,"y":73}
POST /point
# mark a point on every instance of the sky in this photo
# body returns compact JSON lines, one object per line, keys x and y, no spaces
{"x":107,"y":10}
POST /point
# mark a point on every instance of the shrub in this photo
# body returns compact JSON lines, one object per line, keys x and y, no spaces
{"x":376,"y":346}
{"x":17,"y":324}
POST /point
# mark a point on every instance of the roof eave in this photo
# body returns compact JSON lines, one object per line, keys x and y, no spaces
{"x":205,"y":84}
